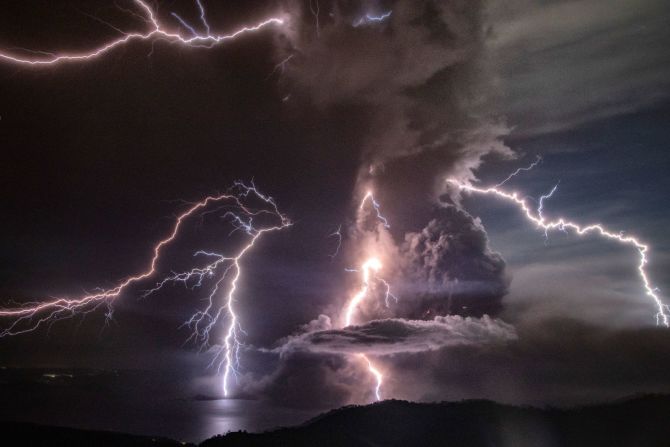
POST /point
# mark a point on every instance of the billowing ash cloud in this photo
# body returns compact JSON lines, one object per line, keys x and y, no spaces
{"x":414,"y":78}
{"x":399,"y":336}
{"x":449,"y":268}
{"x":413,"y":87}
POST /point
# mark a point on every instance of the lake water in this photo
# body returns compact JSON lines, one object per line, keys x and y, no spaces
{"x":100,"y":403}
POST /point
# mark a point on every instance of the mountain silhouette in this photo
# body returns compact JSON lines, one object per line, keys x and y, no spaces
{"x":634,"y":422}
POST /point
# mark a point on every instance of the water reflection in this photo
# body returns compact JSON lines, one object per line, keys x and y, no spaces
{"x":130,"y":403}
{"x":198,"y":420}
{"x":221,"y":416}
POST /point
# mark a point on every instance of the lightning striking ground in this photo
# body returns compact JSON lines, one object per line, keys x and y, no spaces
{"x":241,"y":214}
{"x":157,"y":30}
{"x":369,"y":270}
{"x":377,"y":374}
{"x":371,"y":265}
{"x":562,"y":224}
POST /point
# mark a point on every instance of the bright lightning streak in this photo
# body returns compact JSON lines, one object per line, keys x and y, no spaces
{"x":662,"y":316}
{"x":369,"y":271}
{"x":387,"y":294}
{"x":368,"y":18}
{"x":184,"y":24}
{"x":203,"y":17}
{"x":372,"y":264}
{"x":377,"y":374}
{"x":376,"y":206}
{"x":549,"y":195}
{"x":22,"y":319}
{"x":537,"y":161}
{"x":157,"y":31}
{"x":540,"y":208}
{"x":203,"y":321}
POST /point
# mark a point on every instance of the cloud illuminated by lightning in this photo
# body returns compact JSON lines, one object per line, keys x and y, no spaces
{"x":369,"y":270}
{"x":371,"y":265}
{"x":157,"y":30}
{"x":241,"y":215}
{"x":562,"y":224}
{"x":377,"y":207}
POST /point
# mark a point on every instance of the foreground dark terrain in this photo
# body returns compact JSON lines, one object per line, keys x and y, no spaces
{"x":638,"y":422}
{"x":19,"y":433}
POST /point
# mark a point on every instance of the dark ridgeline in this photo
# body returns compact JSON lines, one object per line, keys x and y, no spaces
{"x":33,"y":435}
{"x":639,"y":422}
{"x":636,"y":422}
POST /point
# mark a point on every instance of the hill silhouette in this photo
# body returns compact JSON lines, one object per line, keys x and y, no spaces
{"x":635,"y":422}
{"x":33,"y":435}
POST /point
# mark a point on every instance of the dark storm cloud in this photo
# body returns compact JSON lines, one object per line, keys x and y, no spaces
{"x":560,"y":361}
{"x":416,"y":82}
{"x":446,"y":268}
{"x":308,"y":380}
{"x":449,"y":267}
{"x":410,"y":96}
{"x":396,"y":336}
{"x":413,"y":75}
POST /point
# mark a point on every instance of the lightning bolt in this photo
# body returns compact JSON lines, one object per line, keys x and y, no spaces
{"x":377,"y":207}
{"x":338,"y":234}
{"x":537,"y":161}
{"x":540,"y":208}
{"x":371,"y":265}
{"x":544,"y":197}
{"x":377,"y":374}
{"x":369,"y":270}
{"x":203,"y":19}
{"x":281,"y":66}
{"x":369,"y":18}
{"x":29,"y":317}
{"x":562,"y":224}
{"x":156,"y":31}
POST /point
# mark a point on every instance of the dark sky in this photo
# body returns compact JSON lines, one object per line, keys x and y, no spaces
{"x":98,"y":157}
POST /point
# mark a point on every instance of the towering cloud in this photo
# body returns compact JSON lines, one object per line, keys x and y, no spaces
{"x":412,"y":72}
{"x":449,"y":268}
{"x":414,"y":75}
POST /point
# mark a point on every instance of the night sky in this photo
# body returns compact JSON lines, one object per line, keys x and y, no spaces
{"x":99,"y":156}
